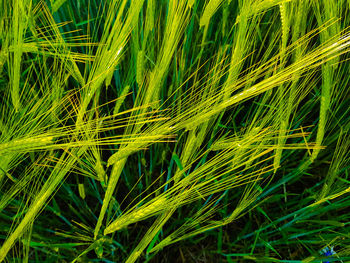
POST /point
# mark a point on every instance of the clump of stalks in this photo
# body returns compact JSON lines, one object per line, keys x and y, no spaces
{"x":134,"y":129}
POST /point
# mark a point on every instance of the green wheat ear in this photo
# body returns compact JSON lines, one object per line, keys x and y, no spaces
{"x":328,"y":70}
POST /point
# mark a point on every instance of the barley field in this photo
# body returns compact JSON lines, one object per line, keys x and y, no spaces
{"x":168,"y":131}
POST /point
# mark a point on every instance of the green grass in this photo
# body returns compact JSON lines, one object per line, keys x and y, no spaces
{"x":174,"y":131}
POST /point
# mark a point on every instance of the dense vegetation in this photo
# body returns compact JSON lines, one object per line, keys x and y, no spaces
{"x":174,"y":131}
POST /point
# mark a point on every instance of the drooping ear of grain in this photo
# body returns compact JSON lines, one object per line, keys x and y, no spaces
{"x":140,"y":67}
{"x":25,"y":144}
{"x":209,"y":11}
{"x":241,"y":46}
{"x":137,"y":215}
{"x":112,"y":182}
{"x":150,"y":16}
{"x":121,"y":99}
{"x":114,"y":38}
{"x":176,"y":21}
{"x":285,"y":27}
{"x":324,"y":12}
{"x":21,"y":10}
{"x":101,"y":173}
{"x":281,"y":118}
{"x":298,"y":28}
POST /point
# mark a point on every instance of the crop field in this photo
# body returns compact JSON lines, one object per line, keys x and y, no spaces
{"x":173,"y":131}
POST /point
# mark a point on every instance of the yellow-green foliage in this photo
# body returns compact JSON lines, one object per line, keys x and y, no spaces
{"x":147,"y":110}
